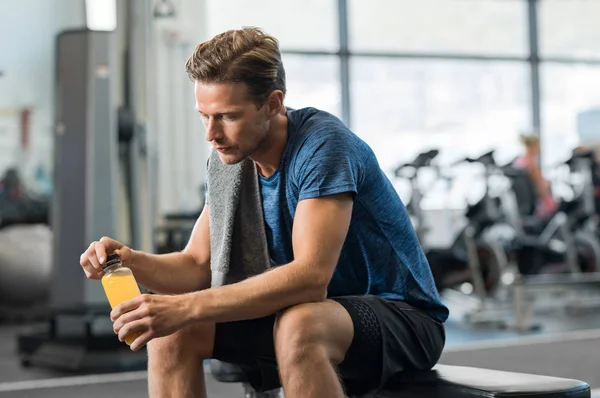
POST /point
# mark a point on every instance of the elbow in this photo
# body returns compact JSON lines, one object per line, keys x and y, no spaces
{"x":316,"y":295}
{"x":317,"y":289}
{"x":312,"y":282}
{"x":191,"y":258}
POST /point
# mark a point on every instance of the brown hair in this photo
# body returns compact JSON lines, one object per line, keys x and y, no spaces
{"x":529,"y":139}
{"x":247,"y":55}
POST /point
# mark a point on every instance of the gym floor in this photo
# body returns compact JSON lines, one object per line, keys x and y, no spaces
{"x":563,"y":347}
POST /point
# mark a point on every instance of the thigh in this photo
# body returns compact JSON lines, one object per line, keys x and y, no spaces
{"x":389,"y":337}
{"x":412,"y":339}
{"x":363,"y":361}
{"x":244,"y":340}
{"x":249,"y":344}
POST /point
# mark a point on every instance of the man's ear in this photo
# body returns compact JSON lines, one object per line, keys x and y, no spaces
{"x":274,"y":103}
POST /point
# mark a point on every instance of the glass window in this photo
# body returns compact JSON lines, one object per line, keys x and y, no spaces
{"x":405,"y":106}
{"x":567,"y":93}
{"x":491,"y":27}
{"x":569,"y":28}
{"x":299,"y":25}
{"x":313,"y":81}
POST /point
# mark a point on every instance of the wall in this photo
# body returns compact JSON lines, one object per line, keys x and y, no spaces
{"x":178,"y":133}
{"x":177,"y":152}
{"x":27,"y":32}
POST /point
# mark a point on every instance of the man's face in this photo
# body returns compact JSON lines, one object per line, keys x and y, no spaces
{"x":235,"y":127}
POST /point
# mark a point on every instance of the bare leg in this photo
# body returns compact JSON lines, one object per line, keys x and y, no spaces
{"x":175,"y":362}
{"x":310,"y":340}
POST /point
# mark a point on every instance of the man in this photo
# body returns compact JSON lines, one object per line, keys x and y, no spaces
{"x":352,"y":299}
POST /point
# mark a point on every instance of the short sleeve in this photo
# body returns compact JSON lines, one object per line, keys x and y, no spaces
{"x":328,"y":164}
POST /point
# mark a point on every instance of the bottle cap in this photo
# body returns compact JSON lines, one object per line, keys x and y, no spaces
{"x":112,"y":259}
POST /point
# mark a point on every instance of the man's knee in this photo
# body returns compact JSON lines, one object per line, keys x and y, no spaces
{"x":193,"y":341}
{"x":313,"y":329}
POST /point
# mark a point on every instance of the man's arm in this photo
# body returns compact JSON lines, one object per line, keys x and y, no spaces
{"x":319,"y":232}
{"x":179,"y":272}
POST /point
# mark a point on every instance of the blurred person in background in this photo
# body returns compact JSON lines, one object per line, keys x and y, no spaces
{"x":530,"y":161}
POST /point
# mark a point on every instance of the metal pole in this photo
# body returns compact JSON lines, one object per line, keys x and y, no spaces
{"x":534,"y":61}
{"x":344,"y":60}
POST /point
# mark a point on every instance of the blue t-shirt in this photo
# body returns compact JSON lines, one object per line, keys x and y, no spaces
{"x":381,"y":254}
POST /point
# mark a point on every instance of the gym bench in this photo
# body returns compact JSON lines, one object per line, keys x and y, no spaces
{"x":445,"y":381}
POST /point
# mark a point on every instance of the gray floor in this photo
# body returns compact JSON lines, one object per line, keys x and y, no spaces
{"x":129,"y":389}
{"x":17,"y":381}
{"x":10,"y":366}
{"x":550,"y":314}
{"x":459,"y":332}
{"x":570,"y":356}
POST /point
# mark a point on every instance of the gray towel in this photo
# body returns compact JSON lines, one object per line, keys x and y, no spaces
{"x":238,"y":240}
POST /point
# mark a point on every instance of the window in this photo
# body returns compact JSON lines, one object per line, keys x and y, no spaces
{"x":490,"y":27}
{"x":299,"y":25}
{"x":569,"y":28}
{"x":401,"y":107}
{"x":313,"y":81}
{"x":567,"y":91}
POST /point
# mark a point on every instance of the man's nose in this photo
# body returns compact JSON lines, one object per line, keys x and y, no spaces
{"x":213,"y":130}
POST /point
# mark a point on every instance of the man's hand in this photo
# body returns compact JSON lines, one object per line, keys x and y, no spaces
{"x":92,"y":259}
{"x":151,"y":315}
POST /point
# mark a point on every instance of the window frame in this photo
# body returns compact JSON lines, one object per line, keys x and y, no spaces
{"x":534,"y":59}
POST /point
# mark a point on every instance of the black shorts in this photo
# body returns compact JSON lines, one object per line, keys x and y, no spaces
{"x":389,"y":337}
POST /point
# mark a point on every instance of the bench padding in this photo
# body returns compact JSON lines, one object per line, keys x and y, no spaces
{"x":460,"y":382}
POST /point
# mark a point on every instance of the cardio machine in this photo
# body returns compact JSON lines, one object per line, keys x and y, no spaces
{"x":472,"y":258}
{"x":582,"y":213}
{"x":410,"y":172}
{"x":563,"y":242}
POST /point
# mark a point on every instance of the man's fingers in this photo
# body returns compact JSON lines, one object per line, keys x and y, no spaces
{"x":88,"y":268}
{"x":95,"y":256}
{"x":106,"y":246}
{"x":127,"y":306}
{"x":141,"y":341}
{"x":92,"y":273}
{"x":132,"y":327}
{"x":91,"y":256}
{"x":100,"y":251}
{"x":129,"y":317}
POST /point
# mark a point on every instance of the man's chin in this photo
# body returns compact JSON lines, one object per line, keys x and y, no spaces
{"x":230,"y":159}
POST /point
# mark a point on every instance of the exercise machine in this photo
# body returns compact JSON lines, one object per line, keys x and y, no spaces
{"x":25,"y":250}
{"x":575,"y":219}
{"x":472,"y":257}
{"x":535,"y":249}
{"x":556,"y":244}
{"x":410,"y":171}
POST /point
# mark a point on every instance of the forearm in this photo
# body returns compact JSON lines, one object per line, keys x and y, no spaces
{"x":172,"y":273}
{"x":259,"y":296}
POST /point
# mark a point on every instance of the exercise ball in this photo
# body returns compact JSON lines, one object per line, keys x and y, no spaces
{"x":25,"y":264}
